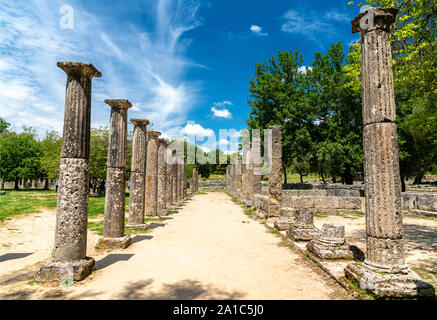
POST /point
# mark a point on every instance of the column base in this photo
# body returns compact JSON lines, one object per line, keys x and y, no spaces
{"x":396,"y":285}
{"x":303,"y":234}
{"x":114,"y":243}
{"x":56,"y":271}
{"x":283,"y":223}
{"x":137,"y":226}
{"x":325,"y":250}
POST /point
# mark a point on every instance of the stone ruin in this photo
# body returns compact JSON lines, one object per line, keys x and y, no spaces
{"x":384,"y":271}
{"x":158,"y":179}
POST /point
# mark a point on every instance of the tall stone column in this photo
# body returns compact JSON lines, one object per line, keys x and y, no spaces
{"x":138,"y":175}
{"x":69,"y":252}
{"x":152,"y":174}
{"x":384,"y":270}
{"x":114,"y":236}
{"x":256,"y":167}
{"x":196,"y":179}
{"x":275,"y":177}
{"x":181,"y":177}
{"x":162,"y":176}
{"x":169,"y":186}
{"x":175,"y":177}
{"x":227,"y":177}
{"x":248,"y":177}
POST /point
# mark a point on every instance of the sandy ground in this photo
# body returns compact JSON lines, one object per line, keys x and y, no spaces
{"x":207,"y":250}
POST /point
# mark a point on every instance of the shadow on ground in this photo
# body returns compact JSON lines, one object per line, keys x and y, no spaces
{"x":13,"y":256}
{"x":182,"y":290}
{"x":111,"y":259}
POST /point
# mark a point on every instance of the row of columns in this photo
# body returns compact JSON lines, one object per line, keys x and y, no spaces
{"x":157,"y":178}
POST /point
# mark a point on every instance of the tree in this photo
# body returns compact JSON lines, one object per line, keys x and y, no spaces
{"x":20,"y":156}
{"x":98,"y":152}
{"x":414,"y":48}
{"x":3,"y":125}
{"x":51,"y":155}
{"x":276,"y":99}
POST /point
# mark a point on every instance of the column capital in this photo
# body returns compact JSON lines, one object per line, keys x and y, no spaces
{"x":163,"y":141}
{"x":374,"y":18}
{"x":153,"y":134}
{"x":119,"y":103}
{"x":140,"y":122}
{"x":79,"y":68}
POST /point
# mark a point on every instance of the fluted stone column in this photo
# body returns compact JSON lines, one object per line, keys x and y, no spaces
{"x":275,"y":177}
{"x":256,"y":167}
{"x":69,"y":252}
{"x":169,"y":186}
{"x":181,"y":177}
{"x":114,"y":236}
{"x":138,"y":175}
{"x":248,"y":178}
{"x":384,"y":270}
{"x":152,"y":174}
{"x":162,"y":176}
{"x":196,"y":179}
{"x":175,"y":177}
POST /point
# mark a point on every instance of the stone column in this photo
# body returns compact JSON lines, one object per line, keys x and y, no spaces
{"x":175,"y":177}
{"x":275,"y":177}
{"x":69,"y":252}
{"x":152,"y":174}
{"x":114,"y":236}
{"x":169,"y":186}
{"x":249,"y":178}
{"x":227,"y":177}
{"x":195,"y":179}
{"x":162,"y":176}
{"x":256,"y":167}
{"x":181,"y":177}
{"x":384,"y":271}
{"x":138,"y":175}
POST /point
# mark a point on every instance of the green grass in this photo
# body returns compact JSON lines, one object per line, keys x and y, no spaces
{"x":20,"y":202}
{"x":15,"y":203}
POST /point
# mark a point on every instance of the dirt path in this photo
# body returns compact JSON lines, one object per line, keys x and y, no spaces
{"x":208,"y":250}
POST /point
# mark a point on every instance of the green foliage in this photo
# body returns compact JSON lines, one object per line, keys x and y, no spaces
{"x":51,"y":154}
{"x":20,"y":156}
{"x":98,"y":152}
{"x":3,"y":125}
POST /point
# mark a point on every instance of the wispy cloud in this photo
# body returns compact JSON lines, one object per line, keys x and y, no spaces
{"x":197,"y":130}
{"x":145,"y":64}
{"x":311,"y":24}
{"x":258,"y":30}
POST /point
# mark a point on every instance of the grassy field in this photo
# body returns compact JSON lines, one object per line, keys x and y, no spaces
{"x":21,"y":202}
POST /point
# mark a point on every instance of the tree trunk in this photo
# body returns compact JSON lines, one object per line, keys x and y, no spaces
{"x":418,"y":179}
{"x":46,"y":184}
{"x":348,"y":177}
{"x":284,"y":169}
{"x":334,"y":180}
{"x":323,"y":178}
{"x":16,"y":184}
{"x":404,"y":188}
{"x":301,"y":178}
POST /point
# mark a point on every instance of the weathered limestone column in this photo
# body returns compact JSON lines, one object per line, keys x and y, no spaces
{"x":175,"y":177}
{"x":228,"y":177}
{"x":152,"y":174}
{"x":256,"y":167}
{"x":114,"y":236}
{"x":275,"y":177}
{"x":181,"y":177}
{"x":162,"y":176}
{"x":69,"y":252}
{"x":249,"y":177}
{"x":303,"y":228}
{"x":384,"y":271}
{"x":169,"y":186}
{"x":138,"y":175}
{"x":196,"y":179}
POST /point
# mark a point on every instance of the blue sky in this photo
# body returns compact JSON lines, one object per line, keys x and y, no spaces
{"x":184,"y":64}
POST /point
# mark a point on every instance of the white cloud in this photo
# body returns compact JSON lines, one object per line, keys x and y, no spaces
{"x":304,"y":69}
{"x":197,"y":130}
{"x":337,"y":16}
{"x":223,"y":142}
{"x":258,"y":30}
{"x":223,"y":113}
{"x":311,"y":24}
{"x":143,"y":65}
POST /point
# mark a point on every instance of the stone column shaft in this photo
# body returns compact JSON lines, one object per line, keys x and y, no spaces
{"x":169,"y":187}
{"x":381,"y":159}
{"x":162,"y":175}
{"x":152,"y":174}
{"x":69,"y":252}
{"x":275,"y":177}
{"x":256,"y":166}
{"x":72,"y":208}
{"x":138,"y":172}
{"x":116,"y":169}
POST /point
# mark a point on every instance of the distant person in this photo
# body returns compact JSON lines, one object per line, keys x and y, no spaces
{"x":57,"y":185}
{"x":94,"y":186}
